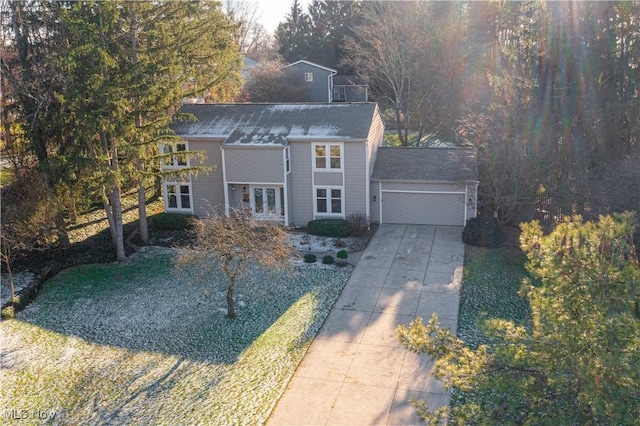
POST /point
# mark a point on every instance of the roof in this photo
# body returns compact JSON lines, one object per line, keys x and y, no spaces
{"x":251,"y":124}
{"x":432,"y":164}
{"x":312,"y":64}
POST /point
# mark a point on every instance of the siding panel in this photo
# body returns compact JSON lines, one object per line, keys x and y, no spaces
{"x":327,"y":178}
{"x":355,"y":178}
{"x":301,"y":186}
{"x":208,"y":188}
{"x":254,"y":165}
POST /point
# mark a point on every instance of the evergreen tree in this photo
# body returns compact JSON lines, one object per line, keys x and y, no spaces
{"x":579,"y":363}
{"x":122,"y":71}
{"x":292,"y":35}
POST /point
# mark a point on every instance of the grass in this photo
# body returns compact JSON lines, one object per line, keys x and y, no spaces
{"x":492,"y":278}
{"x":490,"y":284}
{"x":144,"y":342}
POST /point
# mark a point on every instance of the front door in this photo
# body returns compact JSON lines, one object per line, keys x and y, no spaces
{"x":265,"y":201}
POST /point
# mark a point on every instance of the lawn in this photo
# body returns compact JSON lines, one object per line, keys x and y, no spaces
{"x":490,"y":284}
{"x":145,"y":342}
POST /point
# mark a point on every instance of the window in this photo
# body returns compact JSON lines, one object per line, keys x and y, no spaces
{"x":178,"y":196}
{"x":329,"y":200}
{"x":328,"y":156}
{"x":175,"y":160}
{"x":308,"y":76}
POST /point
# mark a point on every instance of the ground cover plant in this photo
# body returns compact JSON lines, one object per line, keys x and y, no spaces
{"x":143,"y":342}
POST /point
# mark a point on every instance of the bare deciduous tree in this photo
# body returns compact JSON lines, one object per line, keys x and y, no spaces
{"x":409,"y":53}
{"x":250,"y":35}
{"x":271,"y":82}
{"x":236,"y":240}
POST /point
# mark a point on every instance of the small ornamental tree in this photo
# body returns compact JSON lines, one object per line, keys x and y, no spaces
{"x":236,"y":240}
{"x":580,"y":361}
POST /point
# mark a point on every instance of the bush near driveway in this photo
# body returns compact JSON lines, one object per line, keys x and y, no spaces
{"x":143,"y":343}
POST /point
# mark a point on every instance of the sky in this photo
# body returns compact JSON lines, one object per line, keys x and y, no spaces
{"x":273,"y":11}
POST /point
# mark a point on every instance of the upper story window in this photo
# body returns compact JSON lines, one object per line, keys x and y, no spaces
{"x":328,"y":156}
{"x":175,"y":160}
{"x":308,"y":76}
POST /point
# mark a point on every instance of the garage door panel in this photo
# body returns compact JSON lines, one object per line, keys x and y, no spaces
{"x":423,"y":209}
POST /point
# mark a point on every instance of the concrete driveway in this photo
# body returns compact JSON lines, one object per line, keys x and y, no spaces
{"x":356,"y":372}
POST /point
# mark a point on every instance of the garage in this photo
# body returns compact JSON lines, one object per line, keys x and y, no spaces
{"x":418,"y":209}
{"x":424,"y":186}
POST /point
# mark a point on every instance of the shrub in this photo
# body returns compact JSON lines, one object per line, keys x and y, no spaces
{"x":358,"y":224}
{"x":173,"y":221}
{"x":340,"y":243}
{"x":310,"y":258}
{"x":8,"y":313}
{"x":328,"y":259}
{"x":342,"y":257}
{"x":336,"y":228}
{"x":482,"y":231}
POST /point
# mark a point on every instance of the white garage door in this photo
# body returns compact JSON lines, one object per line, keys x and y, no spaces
{"x":422,"y":208}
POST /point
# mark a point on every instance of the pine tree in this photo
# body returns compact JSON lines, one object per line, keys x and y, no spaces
{"x":579,"y":363}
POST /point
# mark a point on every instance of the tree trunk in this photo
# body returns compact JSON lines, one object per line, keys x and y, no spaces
{"x":231,"y":312}
{"x":142,"y":211}
{"x":116,"y":209}
{"x":107,"y":210}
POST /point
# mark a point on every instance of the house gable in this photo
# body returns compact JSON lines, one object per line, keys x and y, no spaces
{"x":315,"y":79}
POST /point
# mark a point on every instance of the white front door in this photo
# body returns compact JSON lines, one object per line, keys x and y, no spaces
{"x":266,"y":201}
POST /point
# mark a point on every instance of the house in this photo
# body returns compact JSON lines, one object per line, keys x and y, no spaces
{"x":298,"y":162}
{"x":322,"y":84}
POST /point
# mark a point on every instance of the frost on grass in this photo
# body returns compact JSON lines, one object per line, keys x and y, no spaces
{"x":21,"y":280}
{"x":145,"y":343}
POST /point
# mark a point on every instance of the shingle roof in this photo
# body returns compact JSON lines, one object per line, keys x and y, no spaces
{"x":435,"y":164}
{"x":241,"y":124}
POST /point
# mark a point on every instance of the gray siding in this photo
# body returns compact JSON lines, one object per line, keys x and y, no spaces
{"x":375,"y":205}
{"x":301,"y":187}
{"x":316,"y":90}
{"x":327,"y":178}
{"x":471,"y":200}
{"x":207,"y":188}
{"x":235,"y":197}
{"x":355,"y":178}
{"x":254,"y":165}
{"x":289,"y":200}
